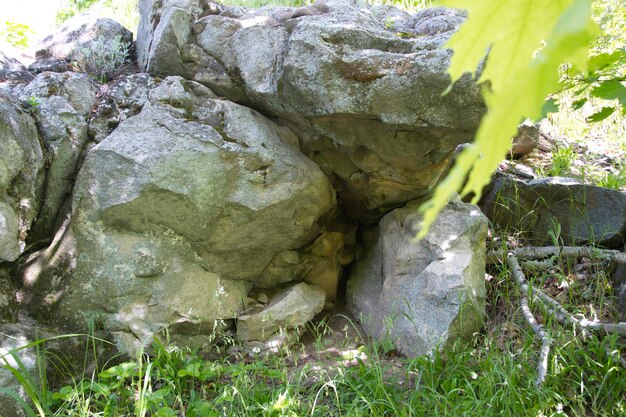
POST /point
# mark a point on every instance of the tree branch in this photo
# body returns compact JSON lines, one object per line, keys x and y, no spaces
{"x":567,"y":251}
{"x":542,"y":367}
{"x":554,"y":307}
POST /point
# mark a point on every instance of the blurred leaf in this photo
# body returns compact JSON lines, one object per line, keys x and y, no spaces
{"x":549,"y":106}
{"x":520,"y":81}
{"x":601,"y":115}
{"x":579,"y":103}
{"x":602,"y":61}
{"x":610,"y":90}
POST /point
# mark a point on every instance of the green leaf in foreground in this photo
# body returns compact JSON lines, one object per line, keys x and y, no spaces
{"x":611,"y":90}
{"x":601,"y":115}
{"x":519,"y":82}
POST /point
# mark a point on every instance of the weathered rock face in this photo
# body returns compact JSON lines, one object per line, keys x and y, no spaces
{"x":177,"y":214}
{"x":21,"y":176}
{"x":366,"y":102}
{"x":12,"y":71}
{"x":123,"y":99}
{"x":577,"y":213}
{"x":80,"y":32}
{"x":63,"y":104}
{"x":14,"y":336}
{"x":421,"y":295}
{"x":188,"y":201}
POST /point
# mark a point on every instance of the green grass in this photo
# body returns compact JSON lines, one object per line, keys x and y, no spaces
{"x":562,"y":159}
{"x":492,"y":376}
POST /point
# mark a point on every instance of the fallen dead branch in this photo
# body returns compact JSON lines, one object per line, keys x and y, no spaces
{"x":535,"y":252}
{"x":542,"y":368}
{"x":553,"y":306}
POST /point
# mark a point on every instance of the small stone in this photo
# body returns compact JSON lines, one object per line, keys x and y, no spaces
{"x":290,"y":308}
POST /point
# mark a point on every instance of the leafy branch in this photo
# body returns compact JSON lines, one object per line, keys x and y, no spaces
{"x":528,"y":41}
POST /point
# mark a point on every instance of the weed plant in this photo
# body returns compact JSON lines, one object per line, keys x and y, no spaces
{"x":561,"y":163}
{"x":612,"y":180}
{"x":103,"y":58}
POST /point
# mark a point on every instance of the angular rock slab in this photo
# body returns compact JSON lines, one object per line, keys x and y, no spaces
{"x":366,"y":102}
{"x":426,"y":294}
{"x":291,"y":308}
{"x":575,"y":213}
{"x":176,"y":214}
{"x":21,"y":176}
{"x":12,"y":71}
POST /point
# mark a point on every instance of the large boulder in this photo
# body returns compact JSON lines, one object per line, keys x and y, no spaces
{"x":558,"y":208}
{"x":176,"y":216}
{"x":62,"y":104}
{"x":426,"y":294}
{"x":367,"y":101}
{"x":21,"y":176}
{"x":81,"y":32}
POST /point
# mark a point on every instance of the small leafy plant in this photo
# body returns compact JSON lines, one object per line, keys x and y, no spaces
{"x":32,"y":104}
{"x":612,"y":180}
{"x":562,"y":159}
{"x":103,"y":58}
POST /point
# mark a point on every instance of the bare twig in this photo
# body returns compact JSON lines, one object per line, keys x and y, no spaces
{"x":562,"y":314}
{"x":565,"y":319}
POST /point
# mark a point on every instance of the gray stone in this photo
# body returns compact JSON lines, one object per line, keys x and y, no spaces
{"x":437,"y":21}
{"x":392,"y":18}
{"x":164,"y":28}
{"x":526,"y":141}
{"x":366,"y":103}
{"x":575,"y":213}
{"x":80,"y":32}
{"x":65,"y":102}
{"x":12,"y":337}
{"x":49,"y":64}
{"x":321,"y":263}
{"x":9,"y":64}
{"x":291,"y":308}
{"x":123,"y":99}
{"x":426,"y":294}
{"x":21,"y":176}
{"x":176,"y":214}
{"x":12,"y":71}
